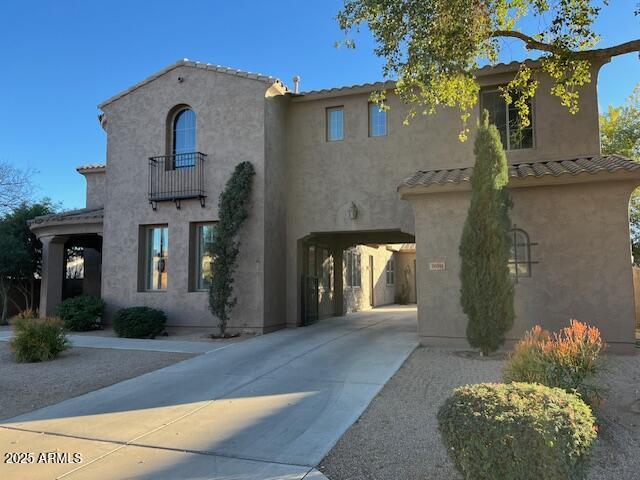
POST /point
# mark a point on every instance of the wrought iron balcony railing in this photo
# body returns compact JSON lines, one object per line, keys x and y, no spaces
{"x":176,"y":177}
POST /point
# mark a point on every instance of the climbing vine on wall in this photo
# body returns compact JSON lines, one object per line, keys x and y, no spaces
{"x":233,"y":210}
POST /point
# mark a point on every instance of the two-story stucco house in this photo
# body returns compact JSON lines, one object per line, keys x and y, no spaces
{"x":333,"y":172}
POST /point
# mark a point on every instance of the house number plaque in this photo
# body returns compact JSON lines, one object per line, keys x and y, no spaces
{"x":437,"y":266}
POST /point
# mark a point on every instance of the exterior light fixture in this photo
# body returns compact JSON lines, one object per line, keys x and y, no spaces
{"x":353,"y":211}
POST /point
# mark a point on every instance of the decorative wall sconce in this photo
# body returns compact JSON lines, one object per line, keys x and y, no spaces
{"x":353,"y":211}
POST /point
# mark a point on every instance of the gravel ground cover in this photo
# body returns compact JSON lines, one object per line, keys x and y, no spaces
{"x":397,"y":437}
{"x":28,"y":386}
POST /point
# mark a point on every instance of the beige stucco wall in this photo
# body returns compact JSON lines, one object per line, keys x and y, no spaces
{"x":359,"y":298}
{"x":406,"y":272}
{"x":95,"y":191}
{"x":304,"y":184}
{"x":583,"y":250}
{"x":323,"y":178}
{"x":275,"y":256}
{"x":230,"y":114}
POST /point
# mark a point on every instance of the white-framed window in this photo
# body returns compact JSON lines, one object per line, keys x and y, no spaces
{"x":335,"y":124}
{"x":157,"y":252}
{"x":391,"y":272}
{"x":377,"y":121}
{"x":507,"y":120}
{"x":354,"y":268}
{"x":204,"y":255}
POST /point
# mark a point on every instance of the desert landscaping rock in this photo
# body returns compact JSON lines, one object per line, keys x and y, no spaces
{"x":29,"y":386}
{"x":397,"y":436}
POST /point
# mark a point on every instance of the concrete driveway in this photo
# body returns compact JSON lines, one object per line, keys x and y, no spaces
{"x":267,"y":408}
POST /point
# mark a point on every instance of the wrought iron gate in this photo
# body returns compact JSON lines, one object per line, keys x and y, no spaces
{"x":309,"y":299}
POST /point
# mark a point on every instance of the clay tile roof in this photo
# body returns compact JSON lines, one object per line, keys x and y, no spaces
{"x":91,"y":167}
{"x":489,"y":69}
{"x":185,"y":62}
{"x":575,"y":166}
{"x":91,"y":214}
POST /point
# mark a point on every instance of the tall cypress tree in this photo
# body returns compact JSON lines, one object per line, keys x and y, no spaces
{"x":486,"y":292}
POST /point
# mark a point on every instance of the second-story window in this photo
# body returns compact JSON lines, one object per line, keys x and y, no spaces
{"x":507,"y":120}
{"x":335,"y":124}
{"x":377,"y":121}
{"x":183,"y":146}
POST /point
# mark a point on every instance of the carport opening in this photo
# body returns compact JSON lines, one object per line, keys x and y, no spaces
{"x":347,"y":272}
{"x":82,"y":268}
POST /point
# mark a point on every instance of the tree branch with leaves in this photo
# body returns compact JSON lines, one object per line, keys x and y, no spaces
{"x":434,"y":47}
{"x":20,"y":256}
{"x":620,"y":134}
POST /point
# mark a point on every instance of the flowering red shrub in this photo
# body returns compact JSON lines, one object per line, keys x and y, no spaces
{"x":569,"y":359}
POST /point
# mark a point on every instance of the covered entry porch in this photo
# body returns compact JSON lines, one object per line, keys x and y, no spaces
{"x":71,"y":255}
{"x":343,"y":272}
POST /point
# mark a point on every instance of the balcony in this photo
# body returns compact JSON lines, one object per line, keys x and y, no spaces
{"x":176,"y":177}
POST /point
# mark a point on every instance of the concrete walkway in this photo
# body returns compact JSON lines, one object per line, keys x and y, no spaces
{"x":270,"y":407}
{"x":95,"y":341}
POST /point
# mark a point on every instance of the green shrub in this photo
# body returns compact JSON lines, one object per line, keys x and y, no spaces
{"x":517,"y":431}
{"x":233,"y":210}
{"x":569,"y":360}
{"x":81,"y":313}
{"x":486,"y":288}
{"x":38,"y":340}
{"x":139,"y":322}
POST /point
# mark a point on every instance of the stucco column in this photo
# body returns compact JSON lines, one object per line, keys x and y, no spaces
{"x":92,"y":272}
{"x":338,"y":286}
{"x":52,"y":274}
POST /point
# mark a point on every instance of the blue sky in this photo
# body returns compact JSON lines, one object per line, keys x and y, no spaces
{"x":61,"y":58}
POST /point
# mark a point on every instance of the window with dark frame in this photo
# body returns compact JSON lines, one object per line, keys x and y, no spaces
{"x":183,"y":144}
{"x":507,"y":120}
{"x":204,"y":255}
{"x":157,"y":249}
{"x":520,"y":261}
{"x":391,"y":272}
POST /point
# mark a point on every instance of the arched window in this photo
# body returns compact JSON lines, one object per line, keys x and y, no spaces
{"x":183,"y":138}
{"x":520,"y":258}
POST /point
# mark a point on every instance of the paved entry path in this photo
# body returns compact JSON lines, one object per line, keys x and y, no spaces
{"x":270,"y":407}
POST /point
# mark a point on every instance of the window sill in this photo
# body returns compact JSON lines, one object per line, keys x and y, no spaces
{"x":512,"y":150}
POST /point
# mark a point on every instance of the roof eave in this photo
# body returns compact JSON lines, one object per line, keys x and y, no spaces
{"x":84,"y":169}
{"x":531,"y":181}
{"x":192,"y":64}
